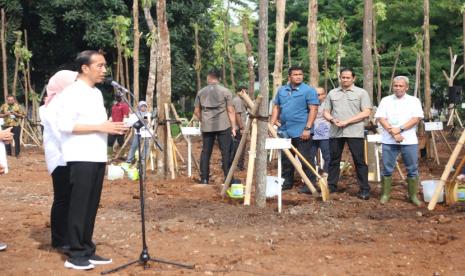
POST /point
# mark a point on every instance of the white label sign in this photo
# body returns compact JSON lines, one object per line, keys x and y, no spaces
{"x":374,"y":138}
{"x":463,"y":105}
{"x":191,"y":131}
{"x":432,"y":126}
{"x":277,"y":143}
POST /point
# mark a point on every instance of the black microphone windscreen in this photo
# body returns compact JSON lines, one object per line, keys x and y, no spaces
{"x":108,"y":80}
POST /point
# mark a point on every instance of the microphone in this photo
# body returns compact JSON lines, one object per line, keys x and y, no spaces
{"x":109,"y":81}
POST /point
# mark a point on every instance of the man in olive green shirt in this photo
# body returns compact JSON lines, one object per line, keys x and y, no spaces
{"x":346,"y":107}
{"x":12,"y":113}
{"x":214,"y":108}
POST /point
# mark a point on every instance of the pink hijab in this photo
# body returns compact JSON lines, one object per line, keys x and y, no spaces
{"x":58,"y":82}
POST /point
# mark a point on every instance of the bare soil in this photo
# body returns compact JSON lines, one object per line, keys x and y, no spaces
{"x":191,"y":223}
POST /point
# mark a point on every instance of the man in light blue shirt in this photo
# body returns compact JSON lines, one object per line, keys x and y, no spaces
{"x":295,"y":106}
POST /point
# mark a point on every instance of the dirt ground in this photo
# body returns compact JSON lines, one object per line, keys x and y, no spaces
{"x":190,"y":223}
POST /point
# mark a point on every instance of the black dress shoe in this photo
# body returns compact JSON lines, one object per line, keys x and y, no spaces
{"x":332,"y":189}
{"x":203,"y":181}
{"x":365,"y":195}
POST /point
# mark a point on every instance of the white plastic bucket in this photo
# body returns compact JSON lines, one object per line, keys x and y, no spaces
{"x":429,"y":186}
{"x":273,"y":185}
{"x":115,"y":172}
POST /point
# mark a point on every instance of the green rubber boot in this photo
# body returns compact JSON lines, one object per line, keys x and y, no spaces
{"x":413,"y":190}
{"x":386,"y":184}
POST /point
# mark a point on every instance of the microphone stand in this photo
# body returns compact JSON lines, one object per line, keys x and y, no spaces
{"x":144,"y":257}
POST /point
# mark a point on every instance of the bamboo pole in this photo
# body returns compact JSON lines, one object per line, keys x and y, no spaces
{"x":241,"y":146}
{"x":169,"y":144}
{"x":251,"y":163}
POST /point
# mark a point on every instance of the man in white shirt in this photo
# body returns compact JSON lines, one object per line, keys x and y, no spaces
{"x":399,"y":115}
{"x":6,"y":136}
{"x":82,"y":121}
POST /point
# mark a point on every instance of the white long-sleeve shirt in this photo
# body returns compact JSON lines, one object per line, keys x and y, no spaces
{"x":81,"y":104}
{"x":51,"y":136}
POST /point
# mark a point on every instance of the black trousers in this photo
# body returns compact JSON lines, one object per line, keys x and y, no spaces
{"x":60,"y":206}
{"x":303,"y":146}
{"x":357,"y":149}
{"x":16,"y":130}
{"x":86,"y":179}
{"x":114,"y":137}
{"x":235,"y":145}
{"x":225,"y":142}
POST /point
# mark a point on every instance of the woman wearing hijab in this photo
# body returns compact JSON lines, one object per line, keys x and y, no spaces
{"x":53,"y":157}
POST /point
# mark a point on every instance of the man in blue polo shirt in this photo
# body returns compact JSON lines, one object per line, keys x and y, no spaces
{"x":295,"y":105}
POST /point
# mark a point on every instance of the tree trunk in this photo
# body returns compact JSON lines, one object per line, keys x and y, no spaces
{"x":427,"y":71}
{"x":417,"y":76}
{"x":15,"y":77}
{"x":198,"y":58}
{"x":313,"y":42}
{"x":339,"y":49}
{"x":227,"y":49}
{"x":28,"y":63}
{"x":394,"y":68}
{"x":378,"y":66}
{"x":163,"y":78}
{"x":367,"y":45}
{"x":223,"y":70}
{"x":127,"y":80}
{"x":427,"y":59}
{"x":135,"y":59}
{"x":4,"y":55}
{"x":279,"y":45}
{"x":261,"y":162}
{"x":289,"y":48}
{"x":463,"y":27}
{"x":152,"y":77}
{"x":325,"y":65}
{"x":250,"y":58}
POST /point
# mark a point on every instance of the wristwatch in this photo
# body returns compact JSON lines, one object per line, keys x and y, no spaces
{"x":401,"y":128}
{"x":307,"y":128}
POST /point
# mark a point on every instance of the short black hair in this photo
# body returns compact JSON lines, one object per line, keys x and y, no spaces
{"x":83,"y":58}
{"x":347,"y":69}
{"x":214,"y":73}
{"x":294,"y":68}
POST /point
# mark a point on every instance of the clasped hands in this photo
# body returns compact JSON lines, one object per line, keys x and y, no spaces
{"x":395,"y":133}
{"x":6,"y":135}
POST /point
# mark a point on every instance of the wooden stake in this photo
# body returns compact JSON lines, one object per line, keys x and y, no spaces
{"x":447,"y":170}
{"x":251,"y":163}
{"x":435,"y":147}
{"x":169,"y":145}
{"x":445,"y":140}
{"x":288,"y":153}
{"x":176,"y":116}
{"x":241,"y":147}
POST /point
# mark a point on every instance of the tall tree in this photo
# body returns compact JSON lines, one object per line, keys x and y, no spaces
{"x":198,"y":57}
{"x":163,"y":78}
{"x":135,"y":18}
{"x":379,"y":13}
{"x":227,"y":49}
{"x":4,"y":55}
{"x":153,"y":39}
{"x":313,"y":42}
{"x":427,"y":68}
{"x":260,"y":168}
{"x":250,"y":57}
{"x":279,"y":44}
{"x":367,"y":47}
